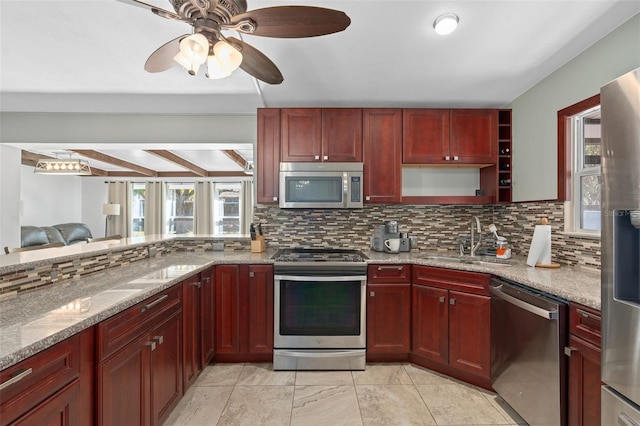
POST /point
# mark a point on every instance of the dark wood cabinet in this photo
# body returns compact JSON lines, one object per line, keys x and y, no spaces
{"x":505,"y":153}
{"x":342,"y":134}
{"x":382,"y":155}
{"x":244,"y":313}
{"x":321,"y":134}
{"x":388,"y":312}
{"x":198,"y":324}
{"x":140,"y":369}
{"x":191,"y":357}
{"x":55,"y":386}
{"x":207,"y":315}
{"x":584,"y":366}
{"x":425,"y":137}
{"x":451,"y":315}
{"x":443,"y":136}
{"x":268,"y":156}
{"x":301,"y":134}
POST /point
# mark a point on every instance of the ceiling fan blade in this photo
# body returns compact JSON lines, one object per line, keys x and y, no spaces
{"x":162,"y":58}
{"x":156,"y":10}
{"x":293,"y":21}
{"x":256,"y":63}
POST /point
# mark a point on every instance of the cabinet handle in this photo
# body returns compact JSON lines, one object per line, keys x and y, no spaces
{"x":252,"y":274}
{"x":196,"y":284}
{"x":441,"y":299}
{"x":275,"y":198}
{"x":159,"y":339}
{"x":389,"y":268}
{"x":447,"y":158}
{"x":326,"y":157}
{"x":154,"y":303}
{"x":452,"y":301}
{"x":367,"y":198}
{"x":317,"y":157}
{"x":586,"y":314}
{"x":568,"y":350}
{"x":16,"y":378}
{"x":624,"y":420}
{"x":372,"y":293}
{"x":152,"y":345}
{"x":206,"y":279}
{"x":455,"y":158}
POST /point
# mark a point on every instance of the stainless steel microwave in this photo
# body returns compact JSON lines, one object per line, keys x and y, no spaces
{"x":321,"y":185}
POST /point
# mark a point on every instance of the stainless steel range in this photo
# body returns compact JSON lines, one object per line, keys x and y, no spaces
{"x":320,"y":309}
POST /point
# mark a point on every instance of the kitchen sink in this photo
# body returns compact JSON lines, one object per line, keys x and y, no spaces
{"x":467,"y":260}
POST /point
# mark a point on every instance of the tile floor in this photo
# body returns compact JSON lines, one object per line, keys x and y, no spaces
{"x":384,"y":394}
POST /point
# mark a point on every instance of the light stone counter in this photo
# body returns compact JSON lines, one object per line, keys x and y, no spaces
{"x":35,"y":320}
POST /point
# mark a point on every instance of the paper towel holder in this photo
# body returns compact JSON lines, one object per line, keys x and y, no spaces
{"x":540,"y":249}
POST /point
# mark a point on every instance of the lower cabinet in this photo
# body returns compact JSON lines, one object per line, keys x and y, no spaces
{"x":244,"y":313}
{"x":451,"y":312}
{"x":388,"y":312}
{"x":198,"y":324}
{"x":584,"y":366}
{"x":139,"y":376}
{"x":53,"y":387}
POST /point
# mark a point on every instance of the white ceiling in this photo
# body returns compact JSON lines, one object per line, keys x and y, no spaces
{"x":88,"y":56}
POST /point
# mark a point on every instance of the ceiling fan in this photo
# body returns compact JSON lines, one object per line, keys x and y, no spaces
{"x":207,"y":44}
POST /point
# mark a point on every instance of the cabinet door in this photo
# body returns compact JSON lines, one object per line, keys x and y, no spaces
{"x":474,"y":135}
{"x":268,"y":153}
{"x":301,"y":134}
{"x":430,"y":323}
{"x":388,"y":318}
{"x":425,"y":136}
{"x":62,"y":409}
{"x":191,"y":330}
{"x":260,"y":329}
{"x":584,"y":383}
{"x":207,"y":314}
{"x":228,"y":309}
{"x":124,"y":386}
{"x":470,"y":333}
{"x":342,"y":134}
{"x":382,"y":155}
{"x":166,"y":367}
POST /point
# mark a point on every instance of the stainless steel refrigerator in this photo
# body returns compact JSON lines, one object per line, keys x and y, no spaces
{"x":620,"y":107}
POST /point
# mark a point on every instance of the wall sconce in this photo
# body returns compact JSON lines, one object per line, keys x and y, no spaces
{"x":109,"y":210}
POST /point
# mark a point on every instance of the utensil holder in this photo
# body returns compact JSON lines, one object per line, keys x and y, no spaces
{"x":258,"y":245}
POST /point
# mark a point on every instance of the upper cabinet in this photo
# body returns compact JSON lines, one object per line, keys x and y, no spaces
{"x":449,"y":137}
{"x":382,"y":136}
{"x":316,"y":135}
{"x":268,"y":164}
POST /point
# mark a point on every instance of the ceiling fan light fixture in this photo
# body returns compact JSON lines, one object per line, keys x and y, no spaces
{"x":446,"y":24}
{"x":215,"y":68}
{"x":229,"y":56}
{"x":193,"y":52}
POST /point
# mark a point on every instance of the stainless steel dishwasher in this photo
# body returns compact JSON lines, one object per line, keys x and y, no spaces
{"x":528,"y":331}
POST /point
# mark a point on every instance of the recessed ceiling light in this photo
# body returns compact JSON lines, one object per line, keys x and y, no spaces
{"x":446,"y":24}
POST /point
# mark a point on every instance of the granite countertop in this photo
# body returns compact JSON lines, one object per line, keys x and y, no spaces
{"x":36,"y":320}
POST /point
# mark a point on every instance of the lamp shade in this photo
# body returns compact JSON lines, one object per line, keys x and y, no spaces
{"x":111,"y":209}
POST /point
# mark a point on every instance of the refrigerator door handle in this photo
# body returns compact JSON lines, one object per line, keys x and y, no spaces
{"x":624,"y":420}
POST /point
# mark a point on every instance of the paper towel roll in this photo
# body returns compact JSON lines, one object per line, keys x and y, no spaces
{"x":540,"y":250}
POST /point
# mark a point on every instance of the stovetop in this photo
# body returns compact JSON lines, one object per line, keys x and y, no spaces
{"x":303,"y":254}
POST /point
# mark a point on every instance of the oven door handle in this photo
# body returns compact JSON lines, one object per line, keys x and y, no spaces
{"x":338,"y":353}
{"x":320,"y":278}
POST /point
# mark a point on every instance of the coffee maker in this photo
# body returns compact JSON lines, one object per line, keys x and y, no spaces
{"x":381,"y":233}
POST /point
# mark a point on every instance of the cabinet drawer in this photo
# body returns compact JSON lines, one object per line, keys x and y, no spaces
{"x":116,"y":332}
{"x":389,"y":273}
{"x":26,"y":384}
{"x":585,"y":322}
{"x":470,"y":282}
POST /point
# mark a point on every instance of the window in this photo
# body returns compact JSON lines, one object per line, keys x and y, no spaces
{"x":226,"y":208}
{"x":586,"y":179}
{"x":179,"y":208}
{"x":137,"y":209}
{"x":579,"y":151}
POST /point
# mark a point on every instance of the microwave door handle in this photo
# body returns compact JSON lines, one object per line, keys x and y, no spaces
{"x":346,"y":197}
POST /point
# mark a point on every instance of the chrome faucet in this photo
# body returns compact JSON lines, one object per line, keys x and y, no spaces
{"x":475,"y":245}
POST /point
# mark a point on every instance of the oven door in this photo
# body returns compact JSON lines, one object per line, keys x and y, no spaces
{"x":319,"y":312}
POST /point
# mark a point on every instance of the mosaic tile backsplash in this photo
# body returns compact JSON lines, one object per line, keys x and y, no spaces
{"x":437,"y":229}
